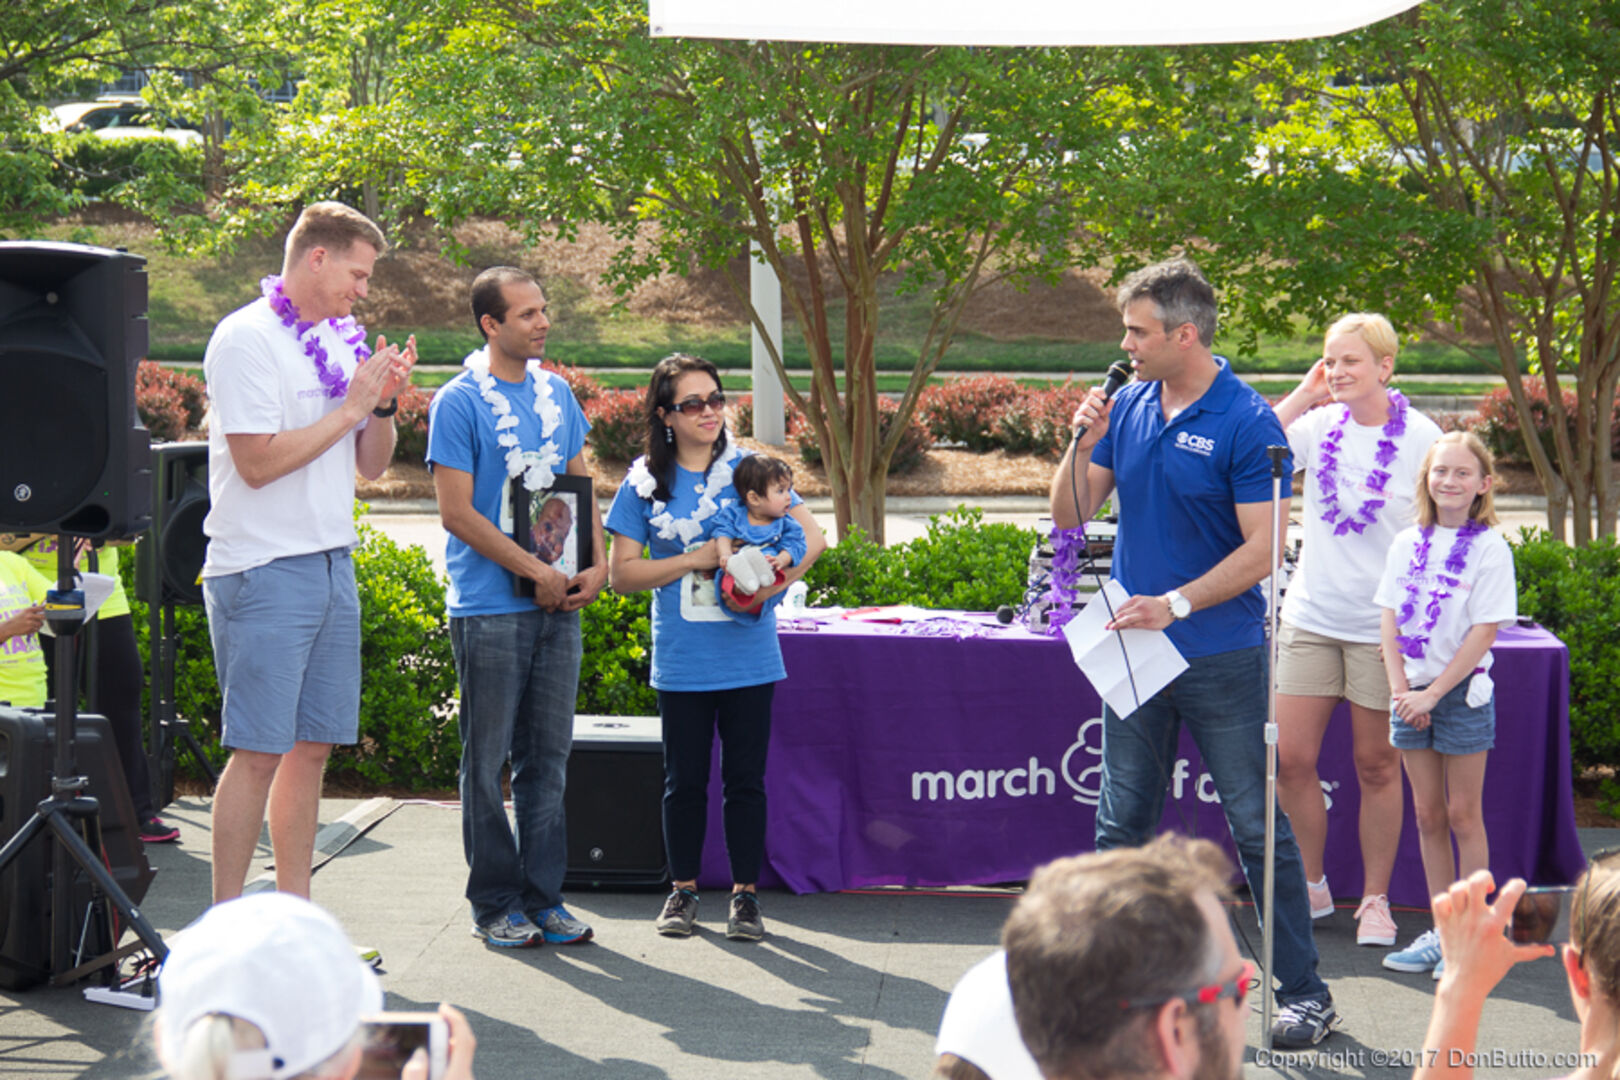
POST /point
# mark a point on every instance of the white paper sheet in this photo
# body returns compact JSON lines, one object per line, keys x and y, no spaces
{"x":96,"y":588}
{"x":1125,"y":667}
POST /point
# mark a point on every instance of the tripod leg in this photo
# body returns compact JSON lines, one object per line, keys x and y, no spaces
{"x":91,"y":864}
{"x":20,"y":840}
{"x":198,"y":755}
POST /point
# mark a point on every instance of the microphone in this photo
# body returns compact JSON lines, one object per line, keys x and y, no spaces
{"x":1118,"y":375}
{"x":1004,"y":614}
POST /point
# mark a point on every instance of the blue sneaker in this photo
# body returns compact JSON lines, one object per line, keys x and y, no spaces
{"x":512,"y":931}
{"x":1422,"y":955}
{"x":558,"y":927}
{"x":1439,"y":969}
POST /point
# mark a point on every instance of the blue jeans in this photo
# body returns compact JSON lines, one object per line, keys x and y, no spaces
{"x":519,"y":676}
{"x":1222,"y":701}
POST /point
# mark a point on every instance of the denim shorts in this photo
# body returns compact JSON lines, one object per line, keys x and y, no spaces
{"x":1455,"y":727}
{"x":286,"y":641}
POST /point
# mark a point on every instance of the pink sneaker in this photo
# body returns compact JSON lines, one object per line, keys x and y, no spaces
{"x":1376,"y":925}
{"x":1321,"y":898}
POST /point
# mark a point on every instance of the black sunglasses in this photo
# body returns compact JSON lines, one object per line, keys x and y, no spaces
{"x":1237,"y":989}
{"x":692,"y":406}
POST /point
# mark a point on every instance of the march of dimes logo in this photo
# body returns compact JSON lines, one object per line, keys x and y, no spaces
{"x":1080,"y":767}
{"x":1202,"y":445}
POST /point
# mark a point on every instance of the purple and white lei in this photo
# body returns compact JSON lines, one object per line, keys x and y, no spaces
{"x":537,"y":473}
{"x":1327,"y":469}
{"x":1414,"y":645}
{"x":352,"y":333}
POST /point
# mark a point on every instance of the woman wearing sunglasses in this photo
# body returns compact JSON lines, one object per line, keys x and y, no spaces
{"x":1479,"y":953}
{"x":714,"y":666}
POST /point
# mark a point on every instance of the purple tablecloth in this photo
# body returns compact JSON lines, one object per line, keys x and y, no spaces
{"x":959,"y":752}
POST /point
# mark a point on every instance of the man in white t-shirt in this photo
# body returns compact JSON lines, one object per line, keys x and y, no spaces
{"x":297,"y":404}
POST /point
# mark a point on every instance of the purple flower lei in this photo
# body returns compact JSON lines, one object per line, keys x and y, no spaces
{"x":352,"y":333}
{"x":1327,"y":470}
{"x":1414,"y":645}
{"x":1068,"y":549}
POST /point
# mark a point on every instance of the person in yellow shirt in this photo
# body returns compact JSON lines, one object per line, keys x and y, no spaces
{"x":22,"y":613}
{"x":120,"y":676}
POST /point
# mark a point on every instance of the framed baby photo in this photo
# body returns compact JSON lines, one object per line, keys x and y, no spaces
{"x":554,"y":525}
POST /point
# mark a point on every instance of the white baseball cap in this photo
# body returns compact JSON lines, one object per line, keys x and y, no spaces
{"x":979,"y":1025}
{"x":278,"y":962}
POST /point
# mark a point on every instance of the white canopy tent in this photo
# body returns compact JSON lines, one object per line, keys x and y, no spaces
{"x":1016,"y":22}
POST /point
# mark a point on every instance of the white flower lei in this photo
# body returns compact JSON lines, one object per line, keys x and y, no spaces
{"x":687,"y":528}
{"x":537,"y":475}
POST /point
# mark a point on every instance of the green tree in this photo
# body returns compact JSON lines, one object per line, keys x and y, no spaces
{"x":856,"y":170}
{"x":1454,"y":163}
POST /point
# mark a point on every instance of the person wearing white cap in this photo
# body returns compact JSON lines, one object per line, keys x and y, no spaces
{"x":268,"y":987}
{"x":978,"y":1035}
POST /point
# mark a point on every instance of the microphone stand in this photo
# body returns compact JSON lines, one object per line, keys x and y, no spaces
{"x":1278,"y":456}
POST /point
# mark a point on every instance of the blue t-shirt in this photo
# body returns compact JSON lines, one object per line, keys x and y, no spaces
{"x":462,"y":435}
{"x":697,"y":643}
{"x":783,"y":534}
{"x":1177,"y":487}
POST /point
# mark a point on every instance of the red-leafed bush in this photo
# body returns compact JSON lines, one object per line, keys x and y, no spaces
{"x":618,"y":425}
{"x":411,"y":426}
{"x":964,"y":410}
{"x":740,"y":413}
{"x":1039,"y":421}
{"x":908,"y":454}
{"x":171,"y":404}
{"x":584,"y":387}
{"x":1497,"y":423}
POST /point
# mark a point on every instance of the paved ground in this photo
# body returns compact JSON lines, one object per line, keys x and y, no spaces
{"x":845,"y":986}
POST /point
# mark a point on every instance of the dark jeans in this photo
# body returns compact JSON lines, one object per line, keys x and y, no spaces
{"x":519,"y":674}
{"x":1222,"y":701}
{"x":743,"y":718}
{"x":114,"y":691}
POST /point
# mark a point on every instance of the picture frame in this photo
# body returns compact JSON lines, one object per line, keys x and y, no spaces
{"x":554,"y":525}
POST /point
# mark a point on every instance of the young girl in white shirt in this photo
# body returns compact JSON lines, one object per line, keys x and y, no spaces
{"x":1447,"y":587}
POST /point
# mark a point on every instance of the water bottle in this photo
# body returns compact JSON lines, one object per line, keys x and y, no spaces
{"x":796,"y":597}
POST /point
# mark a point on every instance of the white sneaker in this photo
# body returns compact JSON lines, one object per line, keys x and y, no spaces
{"x":1321,"y":898}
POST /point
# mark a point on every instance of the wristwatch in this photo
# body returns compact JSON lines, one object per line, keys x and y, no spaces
{"x":385,"y":413}
{"x":1180,"y":606}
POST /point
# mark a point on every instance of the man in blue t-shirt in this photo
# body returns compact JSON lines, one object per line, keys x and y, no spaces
{"x":506,"y":423}
{"x":1184,"y":449}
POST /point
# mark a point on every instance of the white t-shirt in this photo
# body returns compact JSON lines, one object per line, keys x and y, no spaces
{"x":260,"y":382}
{"x":1331,"y":592}
{"x":1485,"y":593}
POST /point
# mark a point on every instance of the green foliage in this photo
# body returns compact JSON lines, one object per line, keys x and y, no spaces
{"x":614,"y":673}
{"x":1575,"y":593}
{"x":408,"y":734}
{"x":961,"y":563}
{"x":908,"y":452}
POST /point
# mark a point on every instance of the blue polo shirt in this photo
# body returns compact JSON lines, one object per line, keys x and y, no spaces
{"x":1176,"y":486}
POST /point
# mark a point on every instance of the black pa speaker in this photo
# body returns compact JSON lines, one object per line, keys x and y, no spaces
{"x":614,"y":803}
{"x":27,"y":756}
{"x":169,"y":558}
{"x":74,"y":457}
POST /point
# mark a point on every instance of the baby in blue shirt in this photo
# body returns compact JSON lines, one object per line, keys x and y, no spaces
{"x":756,"y":537}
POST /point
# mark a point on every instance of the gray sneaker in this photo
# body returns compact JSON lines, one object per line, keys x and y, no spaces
{"x":1304,"y":1023}
{"x":745,"y":923}
{"x":512,"y":931}
{"x":680,"y":912}
{"x":558,"y":927}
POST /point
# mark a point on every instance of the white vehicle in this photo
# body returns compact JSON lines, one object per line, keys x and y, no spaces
{"x":121,"y":118}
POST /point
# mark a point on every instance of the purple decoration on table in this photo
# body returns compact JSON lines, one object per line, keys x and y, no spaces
{"x":1327,"y":468}
{"x":351,"y":332}
{"x":1068,"y":549}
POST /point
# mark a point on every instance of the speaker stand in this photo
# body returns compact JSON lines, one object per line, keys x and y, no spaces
{"x":73,"y":818}
{"x":168,"y":729}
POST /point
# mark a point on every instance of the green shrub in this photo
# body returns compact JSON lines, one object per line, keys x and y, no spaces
{"x":964,"y":410}
{"x":408,"y":734}
{"x":1039,"y":421}
{"x":614,"y":673}
{"x":1575,"y":593}
{"x":960,"y":563}
{"x":95,"y":167}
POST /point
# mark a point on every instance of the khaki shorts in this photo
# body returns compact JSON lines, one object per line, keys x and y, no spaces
{"x":1311,"y":665}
